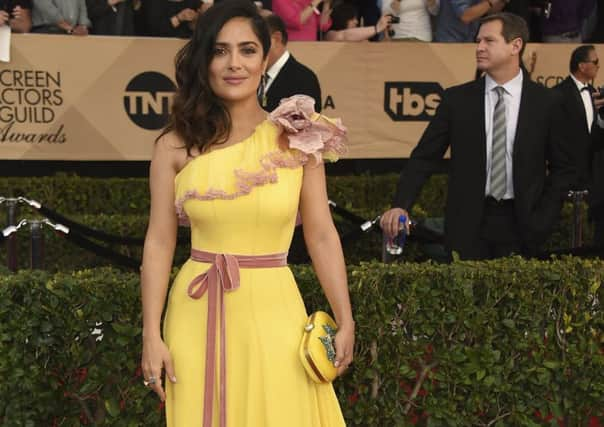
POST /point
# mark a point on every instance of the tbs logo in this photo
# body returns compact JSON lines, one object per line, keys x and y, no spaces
{"x":411,"y":101}
{"x":148,"y":99}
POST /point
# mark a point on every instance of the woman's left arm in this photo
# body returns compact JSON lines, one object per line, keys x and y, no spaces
{"x":325,"y":250}
{"x":325,"y":21}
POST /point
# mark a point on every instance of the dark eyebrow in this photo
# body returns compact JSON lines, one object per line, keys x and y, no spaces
{"x":246,"y":43}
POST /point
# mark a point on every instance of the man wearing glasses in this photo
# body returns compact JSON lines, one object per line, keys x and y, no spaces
{"x":584,"y":129}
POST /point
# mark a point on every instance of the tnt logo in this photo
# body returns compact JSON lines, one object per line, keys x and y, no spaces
{"x":411,"y":101}
{"x":148,"y":99}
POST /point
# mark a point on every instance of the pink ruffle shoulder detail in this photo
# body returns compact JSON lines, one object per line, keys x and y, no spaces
{"x":308,"y":132}
{"x":309,"y":135}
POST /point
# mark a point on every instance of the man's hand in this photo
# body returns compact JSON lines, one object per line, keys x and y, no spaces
{"x":390,"y":221}
{"x":80,"y":30}
{"x":598,"y":99}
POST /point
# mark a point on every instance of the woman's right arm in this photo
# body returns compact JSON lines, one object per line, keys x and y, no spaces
{"x":158,"y":254}
{"x":359,"y":33}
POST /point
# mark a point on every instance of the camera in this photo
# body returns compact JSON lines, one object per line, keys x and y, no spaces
{"x":394,"y":19}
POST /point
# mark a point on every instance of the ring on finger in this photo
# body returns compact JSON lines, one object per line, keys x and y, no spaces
{"x":149,"y":382}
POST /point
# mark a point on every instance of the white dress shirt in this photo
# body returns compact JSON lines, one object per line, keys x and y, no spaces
{"x":587,"y":103}
{"x":274,"y":70}
{"x":511,"y":98}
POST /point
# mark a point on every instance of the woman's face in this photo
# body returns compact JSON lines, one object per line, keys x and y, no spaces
{"x":352,"y":23}
{"x":237,"y":65}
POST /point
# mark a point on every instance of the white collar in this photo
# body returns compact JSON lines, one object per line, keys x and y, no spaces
{"x":512,"y":87}
{"x":274,"y":70}
{"x":580,"y":85}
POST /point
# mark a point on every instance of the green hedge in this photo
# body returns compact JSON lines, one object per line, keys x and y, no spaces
{"x":71,"y":194}
{"x":120,"y":206}
{"x":501,"y":343}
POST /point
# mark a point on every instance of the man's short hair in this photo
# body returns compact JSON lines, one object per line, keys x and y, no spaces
{"x":580,"y":54}
{"x":275,"y":23}
{"x":512,"y":27}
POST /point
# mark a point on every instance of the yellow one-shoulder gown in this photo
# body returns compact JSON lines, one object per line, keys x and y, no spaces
{"x":243,"y":200}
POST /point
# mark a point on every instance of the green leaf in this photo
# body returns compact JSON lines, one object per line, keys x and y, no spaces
{"x":113,"y":408}
{"x":550,"y":364}
{"x":509,"y":323}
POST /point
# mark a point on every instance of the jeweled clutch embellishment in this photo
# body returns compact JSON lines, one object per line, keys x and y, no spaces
{"x":328,"y":341}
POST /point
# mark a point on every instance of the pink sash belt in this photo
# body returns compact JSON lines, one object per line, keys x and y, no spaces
{"x":221,"y":277}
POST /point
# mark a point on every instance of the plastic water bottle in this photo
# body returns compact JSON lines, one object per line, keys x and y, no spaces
{"x":395,"y":245}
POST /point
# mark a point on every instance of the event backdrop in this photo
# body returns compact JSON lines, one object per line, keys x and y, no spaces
{"x":105,"y":98}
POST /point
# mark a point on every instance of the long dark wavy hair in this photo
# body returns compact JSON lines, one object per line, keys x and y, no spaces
{"x":198,"y":116}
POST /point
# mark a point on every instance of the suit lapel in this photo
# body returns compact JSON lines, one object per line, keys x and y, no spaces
{"x":479,"y":110}
{"x":276,"y":85}
{"x":593,"y":108}
{"x":579,"y":107}
{"x":522,"y":126}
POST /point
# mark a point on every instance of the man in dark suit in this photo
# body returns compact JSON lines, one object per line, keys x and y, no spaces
{"x":583,"y":127}
{"x":508,"y":171}
{"x":286,"y":76}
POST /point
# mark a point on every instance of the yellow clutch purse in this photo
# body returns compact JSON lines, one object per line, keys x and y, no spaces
{"x":317,"y":349}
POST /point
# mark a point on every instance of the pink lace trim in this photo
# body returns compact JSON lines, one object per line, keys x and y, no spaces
{"x":245,"y":181}
{"x":309,"y":135}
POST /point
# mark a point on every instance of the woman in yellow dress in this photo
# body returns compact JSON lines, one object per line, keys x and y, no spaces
{"x":234,"y":316}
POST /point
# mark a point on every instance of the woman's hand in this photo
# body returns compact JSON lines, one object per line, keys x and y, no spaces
{"x":4,"y":17}
{"x":384,"y":22}
{"x":344,"y":343}
{"x":155,"y":356}
{"x":187,"y":15}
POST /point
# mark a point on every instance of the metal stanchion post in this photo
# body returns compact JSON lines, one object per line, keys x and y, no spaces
{"x":37,"y":245}
{"x":386,"y":257}
{"x":577,"y":197}
{"x":11,"y":242}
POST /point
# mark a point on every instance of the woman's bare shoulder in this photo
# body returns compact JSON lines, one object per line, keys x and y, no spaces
{"x":170,"y":150}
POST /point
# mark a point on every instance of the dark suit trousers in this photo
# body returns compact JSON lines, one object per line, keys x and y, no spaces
{"x":499,"y":235}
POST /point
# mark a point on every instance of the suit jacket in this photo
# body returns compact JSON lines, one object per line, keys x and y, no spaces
{"x":293,"y":79}
{"x":575,"y":128}
{"x":459,"y":124}
{"x":585,"y":147}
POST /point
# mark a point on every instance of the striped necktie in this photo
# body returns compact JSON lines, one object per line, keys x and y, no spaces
{"x":498,"y":148}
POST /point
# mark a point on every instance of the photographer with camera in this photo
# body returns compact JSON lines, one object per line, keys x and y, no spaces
{"x":413,"y":18}
{"x":345,"y":25}
{"x":584,"y":130}
{"x":16,"y":14}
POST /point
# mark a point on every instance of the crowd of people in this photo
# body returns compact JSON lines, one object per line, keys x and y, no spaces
{"x":310,"y":20}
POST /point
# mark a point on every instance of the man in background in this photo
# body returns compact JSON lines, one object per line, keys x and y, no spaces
{"x":509,"y":170}
{"x":286,"y":76}
{"x":583,"y":129}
